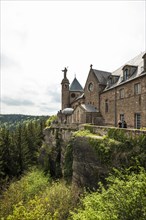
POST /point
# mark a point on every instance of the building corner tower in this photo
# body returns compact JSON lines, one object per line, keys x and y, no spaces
{"x":65,"y":90}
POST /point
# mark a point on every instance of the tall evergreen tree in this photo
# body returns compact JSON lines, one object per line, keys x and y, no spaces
{"x":5,"y":151}
{"x":21,"y":148}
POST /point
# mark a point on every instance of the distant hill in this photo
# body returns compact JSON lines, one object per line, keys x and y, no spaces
{"x":12,"y":119}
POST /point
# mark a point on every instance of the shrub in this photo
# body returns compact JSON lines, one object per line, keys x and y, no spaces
{"x":54,"y":203}
{"x":22,"y":191}
{"x":124,"y":199}
{"x":51,"y":119}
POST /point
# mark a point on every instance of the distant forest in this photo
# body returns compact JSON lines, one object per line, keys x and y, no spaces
{"x":11,"y":120}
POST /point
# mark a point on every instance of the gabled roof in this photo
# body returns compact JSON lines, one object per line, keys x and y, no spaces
{"x":102,"y":76}
{"x":76,"y":86}
{"x":136,"y":63}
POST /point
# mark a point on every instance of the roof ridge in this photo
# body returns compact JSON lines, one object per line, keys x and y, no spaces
{"x":129,"y":61}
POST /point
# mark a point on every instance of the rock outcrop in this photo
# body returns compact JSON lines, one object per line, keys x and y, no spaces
{"x":87,"y":159}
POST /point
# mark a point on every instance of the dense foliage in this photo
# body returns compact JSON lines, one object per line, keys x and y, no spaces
{"x":32,"y":194}
{"x":19,"y":148}
{"x":22,"y":191}
{"x":36,"y":197}
{"x":51,"y":119}
{"x":124,"y":198}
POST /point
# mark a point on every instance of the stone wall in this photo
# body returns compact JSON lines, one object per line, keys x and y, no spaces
{"x":92,"y":97}
{"x":128,"y":105}
{"x":103,"y":130}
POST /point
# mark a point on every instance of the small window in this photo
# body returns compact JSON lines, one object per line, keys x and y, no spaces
{"x":122,"y":118}
{"x":137,"y":88}
{"x":106,"y":105}
{"x":90,"y":87}
{"x":137,"y":120}
{"x":121,"y":93}
{"x":125,"y":76}
{"x":73,"y":95}
{"x":122,"y":121}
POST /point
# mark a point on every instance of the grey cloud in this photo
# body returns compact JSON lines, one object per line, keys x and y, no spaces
{"x":55,"y":95}
{"x":16,"y":102}
{"x":7,"y":62}
{"x":48,"y":109}
{"x":29,"y":91}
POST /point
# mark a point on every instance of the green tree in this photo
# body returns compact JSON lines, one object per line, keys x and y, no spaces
{"x":5,"y":152}
{"x":124,"y":199}
{"x":30,"y":185}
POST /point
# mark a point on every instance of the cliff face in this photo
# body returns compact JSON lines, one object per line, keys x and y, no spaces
{"x":85,"y":159}
{"x":87,"y":167}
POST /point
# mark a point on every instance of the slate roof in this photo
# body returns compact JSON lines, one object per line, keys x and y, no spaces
{"x":135,"y":62}
{"x":80,"y":97}
{"x":102,"y":76}
{"x":89,"y":108}
{"x":76,"y":86}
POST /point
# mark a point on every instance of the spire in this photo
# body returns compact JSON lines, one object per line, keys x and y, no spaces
{"x":76,"y":86}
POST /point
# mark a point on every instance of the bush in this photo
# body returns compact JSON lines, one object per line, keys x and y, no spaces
{"x":54,"y":203}
{"x":22,"y":191}
{"x":125,"y":199}
{"x":51,"y":119}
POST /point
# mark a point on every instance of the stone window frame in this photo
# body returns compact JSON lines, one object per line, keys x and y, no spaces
{"x":121,"y":93}
{"x":73,"y":95}
{"x":125,"y":74}
{"x":137,"y":120}
{"x":122,"y":117}
{"x":90,"y":89}
{"x":137,"y":88}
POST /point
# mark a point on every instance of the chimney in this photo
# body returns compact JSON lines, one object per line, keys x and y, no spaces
{"x":144,"y":62}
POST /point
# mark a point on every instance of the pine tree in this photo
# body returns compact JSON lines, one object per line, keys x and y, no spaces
{"x":21,"y":149}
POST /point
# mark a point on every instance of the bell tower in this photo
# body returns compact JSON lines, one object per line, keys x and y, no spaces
{"x":65,"y":90}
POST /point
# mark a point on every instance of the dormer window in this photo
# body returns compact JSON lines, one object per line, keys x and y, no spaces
{"x":125,"y":76}
{"x":128,"y":71}
{"x":112,"y":80}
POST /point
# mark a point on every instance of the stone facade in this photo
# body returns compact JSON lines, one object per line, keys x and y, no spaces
{"x":128,"y":106}
{"x":108,"y":97}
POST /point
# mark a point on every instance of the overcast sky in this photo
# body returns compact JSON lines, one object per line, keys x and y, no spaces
{"x":40,"y":38}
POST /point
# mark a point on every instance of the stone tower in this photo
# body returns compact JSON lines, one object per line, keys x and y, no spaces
{"x":65,"y":90}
